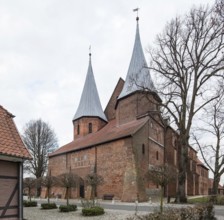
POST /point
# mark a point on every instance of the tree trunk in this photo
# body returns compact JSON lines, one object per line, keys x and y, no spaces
{"x":38,"y":191}
{"x":67,"y":196}
{"x":48,"y":195}
{"x":29,"y":194}
{"x":161,"y":199}
{"x":93,"y":195}
{"x":215,"y":188}
{"x":181,"y":192}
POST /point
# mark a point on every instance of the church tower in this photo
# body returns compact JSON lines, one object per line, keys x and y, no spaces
{"x":138,"y":92}
{"x":89,"y":117}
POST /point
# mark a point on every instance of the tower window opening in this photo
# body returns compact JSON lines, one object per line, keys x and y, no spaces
{"x":90,"y":128}
{"x":157,"y":155}
{"x":143,"y":149}
{"x":78,"y":129}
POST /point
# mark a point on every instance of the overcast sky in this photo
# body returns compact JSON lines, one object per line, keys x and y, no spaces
{"x":44,"y":48}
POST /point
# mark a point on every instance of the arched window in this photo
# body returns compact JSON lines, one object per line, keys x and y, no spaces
{"x":143,"y":149}
{"x":157,"y":155}
{"x":78,"y":129}
{"x":90,"y":128}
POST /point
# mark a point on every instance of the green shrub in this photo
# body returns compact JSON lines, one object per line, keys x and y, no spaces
{"x":217,"y":200}
{"x":220,"y":200}
{"x":93,"y":211}
{"x":202,"y":212}
{"x":67,"y":208}
{"x":29,"y":203}
{"x":49,"y":206}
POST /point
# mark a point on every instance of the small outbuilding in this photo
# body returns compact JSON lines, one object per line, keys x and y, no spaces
{"x":12,"y":155}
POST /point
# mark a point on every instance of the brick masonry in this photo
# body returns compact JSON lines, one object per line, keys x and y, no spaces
{"x":123,"y":162}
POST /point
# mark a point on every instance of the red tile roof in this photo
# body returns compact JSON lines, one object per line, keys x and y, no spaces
{"x":108,"y":133}
{"x":11,"y":143}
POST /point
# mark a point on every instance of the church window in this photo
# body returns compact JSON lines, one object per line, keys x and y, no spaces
{"x":78,"y":129}
{"x":90,"y":127}
{"x":157,"y":155}
{"x":143,"y":149}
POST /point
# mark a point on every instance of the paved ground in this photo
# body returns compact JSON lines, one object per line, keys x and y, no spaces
{"x":37,"y":214}
{"x":114,"y":210}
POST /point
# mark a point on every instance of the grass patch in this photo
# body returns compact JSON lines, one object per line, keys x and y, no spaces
{"x":199,"y":200}
{"x":219,"y":200}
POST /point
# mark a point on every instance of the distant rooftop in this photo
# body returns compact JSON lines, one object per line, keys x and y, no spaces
{"x":89,"y":104}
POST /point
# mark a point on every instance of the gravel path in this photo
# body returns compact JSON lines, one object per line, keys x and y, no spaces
{"x":35,"y":213}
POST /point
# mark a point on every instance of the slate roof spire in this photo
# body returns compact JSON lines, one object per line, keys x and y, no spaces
{"x":138,"y":76}
{"x":89,"y":104}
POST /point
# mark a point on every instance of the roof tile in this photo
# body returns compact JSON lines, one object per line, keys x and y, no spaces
{"x":11,"y":143}
{"x":109,"y":133}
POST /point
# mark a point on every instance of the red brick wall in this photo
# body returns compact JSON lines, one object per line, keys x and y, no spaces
{"x":110,"y":108}
{"x":111,"y":164}
{"x":133,"y":106}
{"x":171,"y":157}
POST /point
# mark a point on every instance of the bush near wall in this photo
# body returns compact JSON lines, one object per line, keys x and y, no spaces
{"x":27,"y":203}
{"x":49,"y":206}
{"x":202,"y":212}
{"x":93,"y":211}
{"x":67,"y":208}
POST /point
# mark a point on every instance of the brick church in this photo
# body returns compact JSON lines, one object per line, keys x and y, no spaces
{"x":123,"y":141}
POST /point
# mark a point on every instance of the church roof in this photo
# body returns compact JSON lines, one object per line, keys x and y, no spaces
{"x":138,"y":76}
{"x":89,"y":104}
{"x":108,"y":133}
{"x":11,"y":143}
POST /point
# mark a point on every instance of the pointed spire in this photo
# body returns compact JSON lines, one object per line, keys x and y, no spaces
{"x":89,"y":104}
{"x":138,"y":76}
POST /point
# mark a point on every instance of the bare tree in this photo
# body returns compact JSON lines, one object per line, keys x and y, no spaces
{"x":219,"y":6}
{"x":187,"y":59}
{"x":40,"y":139}
{"x":162,"y":175}
{"x":93,"y":180}
{"x":48,"y":181}
{"x":29,"y":183}
{"x":68,"y":181}
{"x":213,"y":127}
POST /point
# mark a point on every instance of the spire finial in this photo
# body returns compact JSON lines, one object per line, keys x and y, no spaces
{"x":136,"y":10}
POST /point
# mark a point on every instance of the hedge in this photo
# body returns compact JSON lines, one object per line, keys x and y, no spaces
{"x":67,"y":208}
{"x":27,"y":203}
{"x":93,"y":211}
{"x":49,"y":206}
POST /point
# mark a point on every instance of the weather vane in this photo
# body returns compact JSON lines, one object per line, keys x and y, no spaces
{"x":136,"y":10}
{"x":89,"y":50}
